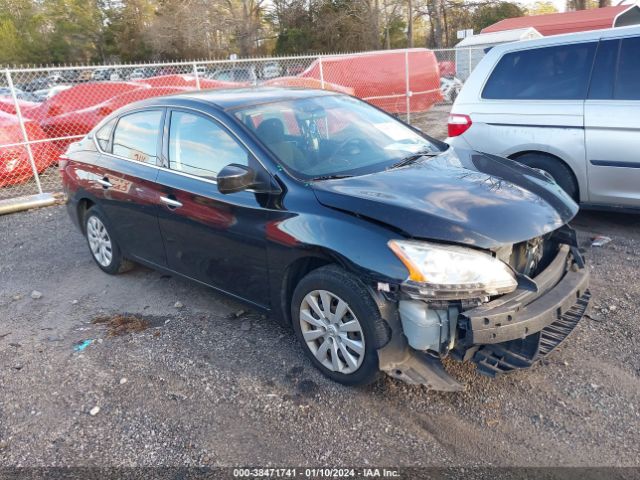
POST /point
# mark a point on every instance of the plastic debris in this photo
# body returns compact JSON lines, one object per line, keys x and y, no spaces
{"x":178,"y":305}
{"x":600,"y":241}
{"x":123,"y":380}
{"x":36,"y":294}
{"x":78,"y":347}
{"x":94,"y":411}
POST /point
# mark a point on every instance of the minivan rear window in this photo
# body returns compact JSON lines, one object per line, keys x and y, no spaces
{"x":550,"y":73}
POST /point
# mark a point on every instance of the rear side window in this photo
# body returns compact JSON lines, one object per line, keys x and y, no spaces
{"x":549,"y":73}
{"x":628,"y":76}
{"x":136,"y":136}
{"x":103,"y":136}
{"x":199,"y":146}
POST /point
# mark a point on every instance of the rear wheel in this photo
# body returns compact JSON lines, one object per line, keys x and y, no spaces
{"x":338,"y":325}
{"x":555,"y":167}
{"x":104,"y":249}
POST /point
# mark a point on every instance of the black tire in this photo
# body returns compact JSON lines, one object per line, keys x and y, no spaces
{"x":118,"y":263}
{"x":361,"y":304}
{"x":555,"y":167}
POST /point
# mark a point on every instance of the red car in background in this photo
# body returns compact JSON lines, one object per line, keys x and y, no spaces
{"x":78,"y":97}
{"x":380,"y":79}
{"x":15,"y":166}
{"x":80,"y":122}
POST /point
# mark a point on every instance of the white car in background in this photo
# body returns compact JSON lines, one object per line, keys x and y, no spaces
{"x":566,"y":104}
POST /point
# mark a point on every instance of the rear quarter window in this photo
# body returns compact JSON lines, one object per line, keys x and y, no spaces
{"x":628,"y":76}
{"x":550,"y":73}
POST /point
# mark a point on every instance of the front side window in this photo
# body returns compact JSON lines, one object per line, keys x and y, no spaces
{"x":136,"y":136}
{"x":628,"y":77}
{"x":331,"y":135}
{"x":549,"y":73}
{"x":199,"y":146}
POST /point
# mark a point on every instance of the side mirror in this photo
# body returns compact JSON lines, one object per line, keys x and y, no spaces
{"x":235,"y":178}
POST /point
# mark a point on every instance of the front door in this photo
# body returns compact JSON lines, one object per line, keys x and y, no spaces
{"x":214,"y":238}
{"x":612,"y":124}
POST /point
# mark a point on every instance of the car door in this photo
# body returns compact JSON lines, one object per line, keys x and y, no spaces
{"x":612,"y":124}
{"x":128,"y":192}
{"x":214,"y":238}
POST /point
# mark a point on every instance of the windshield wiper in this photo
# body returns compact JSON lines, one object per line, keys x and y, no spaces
{"x":413,"y":158}
{"x":331,"y":177}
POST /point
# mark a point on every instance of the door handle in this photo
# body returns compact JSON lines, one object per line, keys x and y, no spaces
{"x":105,"y":182}
{"x":171,"y":202}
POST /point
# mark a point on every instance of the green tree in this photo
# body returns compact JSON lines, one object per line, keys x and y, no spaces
{"x":542,"y":7}
{"x":489,"y":14}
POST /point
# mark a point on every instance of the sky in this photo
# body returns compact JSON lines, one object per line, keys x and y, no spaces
{"x":561,"y":4}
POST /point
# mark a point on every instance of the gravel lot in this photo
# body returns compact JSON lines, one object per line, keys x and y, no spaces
{"x":199,"y":386}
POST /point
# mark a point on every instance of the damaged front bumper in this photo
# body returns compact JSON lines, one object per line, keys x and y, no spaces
{"x":511,"y":332}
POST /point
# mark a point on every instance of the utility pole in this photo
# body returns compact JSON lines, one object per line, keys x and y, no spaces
{"x":410,"y":25}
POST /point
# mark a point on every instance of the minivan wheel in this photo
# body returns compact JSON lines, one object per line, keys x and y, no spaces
{"x":103,"y":247}
{"x":338,"y":324}
{"x":555,"y":167}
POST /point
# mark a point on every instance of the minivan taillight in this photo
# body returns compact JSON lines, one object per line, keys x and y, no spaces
{"x":458,"y":124}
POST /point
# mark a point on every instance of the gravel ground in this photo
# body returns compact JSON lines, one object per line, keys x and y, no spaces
{"x":195,"y":385}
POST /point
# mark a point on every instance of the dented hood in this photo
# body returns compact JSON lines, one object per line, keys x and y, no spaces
{"x":458,"y":196}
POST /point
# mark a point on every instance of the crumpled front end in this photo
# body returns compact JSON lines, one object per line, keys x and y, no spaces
{"x":500,"y":333}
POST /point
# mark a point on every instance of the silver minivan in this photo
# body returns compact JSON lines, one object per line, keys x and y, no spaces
{"x":566,"y":104}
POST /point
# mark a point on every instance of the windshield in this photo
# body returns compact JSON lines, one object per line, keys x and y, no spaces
{"x":333,"y":136}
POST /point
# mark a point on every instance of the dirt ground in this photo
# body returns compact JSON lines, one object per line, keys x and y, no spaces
{"x":192,"y":383}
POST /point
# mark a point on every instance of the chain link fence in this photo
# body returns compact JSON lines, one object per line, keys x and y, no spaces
{"x":43,"y":110}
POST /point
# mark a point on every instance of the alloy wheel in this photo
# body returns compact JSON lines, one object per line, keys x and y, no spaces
{"x":99,"y":241}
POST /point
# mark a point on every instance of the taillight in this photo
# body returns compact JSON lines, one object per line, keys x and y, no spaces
{"x":458,"y":124}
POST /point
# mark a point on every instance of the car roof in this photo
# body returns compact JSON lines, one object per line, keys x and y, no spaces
{"x":229,"y":99}
{"x":616,"y":32}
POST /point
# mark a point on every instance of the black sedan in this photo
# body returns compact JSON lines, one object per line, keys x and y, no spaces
{"x":385,"y":249}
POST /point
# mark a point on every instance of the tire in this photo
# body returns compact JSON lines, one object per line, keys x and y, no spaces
{"x":555,"y":167}
{"x":102,"y":245}
{"x":357,"y":363}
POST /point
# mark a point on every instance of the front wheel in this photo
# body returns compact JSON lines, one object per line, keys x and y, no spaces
{"x":339,"y":325}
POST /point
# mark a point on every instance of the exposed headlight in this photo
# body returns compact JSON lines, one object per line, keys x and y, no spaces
{"x":449,"y":272}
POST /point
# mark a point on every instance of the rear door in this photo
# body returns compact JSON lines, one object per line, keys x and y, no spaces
{"x":612,"y":124}
{"x":127,"y":183}
{"x":214,"y":238}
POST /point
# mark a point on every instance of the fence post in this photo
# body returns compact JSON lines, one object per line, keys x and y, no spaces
{"x":407,"y":85}
{"x":321,"y":72}
{"x":24,"y":130}
{"x":195,"y":73}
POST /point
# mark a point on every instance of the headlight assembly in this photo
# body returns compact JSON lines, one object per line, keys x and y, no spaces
{"x":447,"y":272}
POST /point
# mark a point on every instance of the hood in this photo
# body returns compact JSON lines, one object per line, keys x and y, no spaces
{"x":458,"y":196}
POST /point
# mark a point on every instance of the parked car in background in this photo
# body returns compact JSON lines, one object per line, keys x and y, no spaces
{"x":38,"y":83}
{"x":112,"y":74}
{"x":566,"y":104}
{"x":383,"y":248}
{"x":42,"y":95}
{"x":270,"y":70}
{"x":15,"y":166}
{"x":450,"y":87}
{"x":235,"y":74}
